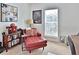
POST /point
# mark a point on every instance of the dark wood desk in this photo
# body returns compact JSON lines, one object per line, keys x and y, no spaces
{"x":11,"y":40}
{"x":75,"y":40}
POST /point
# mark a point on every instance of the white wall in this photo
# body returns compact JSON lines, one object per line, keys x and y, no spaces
{"x":23,"y":14}
{"x":68,"y":16}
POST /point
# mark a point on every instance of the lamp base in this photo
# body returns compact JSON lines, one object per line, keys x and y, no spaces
{"x":30,"y":25}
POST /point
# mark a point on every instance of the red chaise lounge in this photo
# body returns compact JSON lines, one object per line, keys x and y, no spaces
{"x":34,"y":40}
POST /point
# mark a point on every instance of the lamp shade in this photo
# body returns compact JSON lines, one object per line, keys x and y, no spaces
{"x":29,"y":21}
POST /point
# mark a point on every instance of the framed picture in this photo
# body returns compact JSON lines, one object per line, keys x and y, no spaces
{"x":37,"y":16}
{"x":8,"y":13}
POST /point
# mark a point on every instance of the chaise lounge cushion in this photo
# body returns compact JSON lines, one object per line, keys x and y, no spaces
{"x":33,"y":42}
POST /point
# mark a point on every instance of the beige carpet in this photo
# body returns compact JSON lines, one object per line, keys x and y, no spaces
{"x":53,"y":48}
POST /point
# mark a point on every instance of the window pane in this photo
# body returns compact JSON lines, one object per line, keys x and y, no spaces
{"x":51,"y":29}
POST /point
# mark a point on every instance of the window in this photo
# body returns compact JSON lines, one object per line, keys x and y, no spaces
{"x":51,"y":23}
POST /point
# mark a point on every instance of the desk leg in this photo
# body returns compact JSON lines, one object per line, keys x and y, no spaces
{"x":6,"y":49}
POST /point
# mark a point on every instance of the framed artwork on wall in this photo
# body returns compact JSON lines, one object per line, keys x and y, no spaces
{"x":8,"y":13}
{"x":37,"y":16}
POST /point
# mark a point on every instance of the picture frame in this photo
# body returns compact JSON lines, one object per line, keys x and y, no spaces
{"x":8,"y":13}
{"x":37,"y":17}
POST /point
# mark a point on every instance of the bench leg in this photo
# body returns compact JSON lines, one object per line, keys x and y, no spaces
{"x":43,"y":48}
{"x":30,"y":51}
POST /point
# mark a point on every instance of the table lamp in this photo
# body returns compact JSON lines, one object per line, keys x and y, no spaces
{"x":29,"y":21}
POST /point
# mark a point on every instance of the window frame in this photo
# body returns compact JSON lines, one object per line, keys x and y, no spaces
{"x":51,"y":22}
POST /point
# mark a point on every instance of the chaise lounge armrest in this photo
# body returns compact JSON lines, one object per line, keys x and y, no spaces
{"x":38,"y":34}
{"x":24,"y":36}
